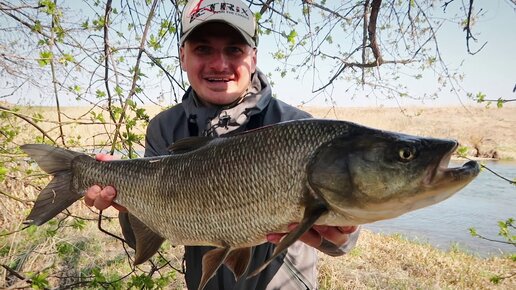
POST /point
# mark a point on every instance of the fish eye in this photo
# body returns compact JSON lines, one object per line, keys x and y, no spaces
{"x":406,"y":154}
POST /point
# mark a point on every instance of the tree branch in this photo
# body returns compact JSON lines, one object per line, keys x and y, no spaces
{"x":371,"y":29}
{"x":28,"y":121}
{"x":135,"y":75}
{"x":469,"y":35}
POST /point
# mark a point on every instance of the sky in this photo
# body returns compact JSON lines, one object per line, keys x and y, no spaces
{"x":491,"y":71}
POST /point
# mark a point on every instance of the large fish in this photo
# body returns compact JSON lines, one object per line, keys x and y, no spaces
{"x":230,"y":192}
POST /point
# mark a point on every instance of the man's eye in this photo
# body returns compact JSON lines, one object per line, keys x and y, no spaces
{"x":202,"y":49}
{"x":234,"y":50}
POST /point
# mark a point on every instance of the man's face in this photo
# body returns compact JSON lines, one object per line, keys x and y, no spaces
{"x":218,"y":62}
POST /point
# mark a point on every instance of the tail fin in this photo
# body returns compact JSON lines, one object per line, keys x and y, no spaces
{"x":59,"y":193}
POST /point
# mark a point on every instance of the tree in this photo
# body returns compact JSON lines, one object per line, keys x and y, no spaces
{"x":116,"y":56}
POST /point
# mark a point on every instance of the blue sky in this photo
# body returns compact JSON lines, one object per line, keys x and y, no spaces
{"x":491,"y":71}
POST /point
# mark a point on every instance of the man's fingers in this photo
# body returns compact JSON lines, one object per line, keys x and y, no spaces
{"x":91,"y":194}
{"x":336,"y":235}
{"x":104,"y":157}
{"x":311,"y":237}
{"x":105,"y":198}
{"x":275,"y":237}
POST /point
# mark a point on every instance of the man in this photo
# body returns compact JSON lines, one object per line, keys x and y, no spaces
{"x":228,"y":94}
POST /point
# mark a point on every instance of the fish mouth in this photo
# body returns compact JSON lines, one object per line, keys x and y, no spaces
{"x":442,"y":173}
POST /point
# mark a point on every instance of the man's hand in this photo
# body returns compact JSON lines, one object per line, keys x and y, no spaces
{"x":317,"y":234}
{"x":102,"y":198}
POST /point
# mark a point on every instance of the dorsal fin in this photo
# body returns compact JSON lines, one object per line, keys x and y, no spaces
{"x":189,"y":144}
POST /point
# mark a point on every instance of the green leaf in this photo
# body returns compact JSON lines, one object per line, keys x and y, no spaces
{"x":85,"y":25}
{"x":100,"y":94}
{"x":44,"y":58}
{"x":154,"y":42}
{"x":495,"y":279}
{"x":66,"y":58}
{"x":462,"y":151}
{"x":292,"y":37}
{"x":37,"y":26}
{"x":32,"y":229}
{"x":499,"y":103}
{"x":39,"y":280}
{"x":64,"y":249}
{"x":119,"y":91}
{"x":79,"y":224}
{"x":3,"y":173}
{"x":141,"y":281}
{"x":49,"y":6}
{"x":480,"y":97}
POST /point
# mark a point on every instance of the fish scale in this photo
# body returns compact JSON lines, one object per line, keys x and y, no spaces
{"x":210,"y":210}
{"x":231,"y":192}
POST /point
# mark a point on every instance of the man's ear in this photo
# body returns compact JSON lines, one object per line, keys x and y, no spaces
{"x":182,"y":57}
{"x":255,"y":59}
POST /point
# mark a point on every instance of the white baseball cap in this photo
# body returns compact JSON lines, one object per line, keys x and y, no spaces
{"x":232,"y":12}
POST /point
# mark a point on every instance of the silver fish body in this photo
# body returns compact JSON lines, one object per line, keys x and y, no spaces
{"x":231,"y":192}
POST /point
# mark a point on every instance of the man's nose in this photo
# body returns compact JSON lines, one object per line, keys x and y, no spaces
{"x":219,"y":61}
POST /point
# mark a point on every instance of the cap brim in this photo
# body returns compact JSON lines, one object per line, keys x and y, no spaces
{"x":248,"y":39}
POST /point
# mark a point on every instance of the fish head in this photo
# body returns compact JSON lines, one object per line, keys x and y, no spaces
{"x":371,"y":175}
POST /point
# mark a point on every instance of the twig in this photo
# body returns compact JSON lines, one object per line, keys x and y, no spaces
{"x":364,"y":37}
{"x":334,"y":13}
{"x":496,"y":241}
{"x":25,"y":201}
{"x":469,"y":35}
{"x":54,"y":78}
{"x":135,"y":75}
{"x":498,"y":175}
{"x":28,"y":121}
{"x":107,"y":55}
{"x":371,"y":29}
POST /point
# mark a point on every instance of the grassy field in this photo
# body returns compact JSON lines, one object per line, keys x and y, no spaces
{"x":487,"y":132}
{"x":72,"y":252}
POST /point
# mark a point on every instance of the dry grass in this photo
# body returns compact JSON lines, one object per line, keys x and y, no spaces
{"x":488,"y":132}
{"x":488,"y":129}
{"x":392,"y":262}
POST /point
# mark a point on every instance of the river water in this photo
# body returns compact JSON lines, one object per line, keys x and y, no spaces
{"x":485,"y":201}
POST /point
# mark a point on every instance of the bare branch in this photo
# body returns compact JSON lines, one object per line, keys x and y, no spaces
{"x":371,"y":29}
{"x":469,"y":35}
{"x":135,"y":74}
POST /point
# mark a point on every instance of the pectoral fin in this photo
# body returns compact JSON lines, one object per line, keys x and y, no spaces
{"x":313,"y":211}
{"x":147,"y":241}
{"x":211,"y":261}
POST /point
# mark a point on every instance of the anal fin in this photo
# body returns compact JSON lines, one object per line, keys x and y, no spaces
{"x":238,"y":261}
{"x":147,"y":241}
{"x":211,"y":261}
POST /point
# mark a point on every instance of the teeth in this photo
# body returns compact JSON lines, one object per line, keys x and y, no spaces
{"x":218,"y":80}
